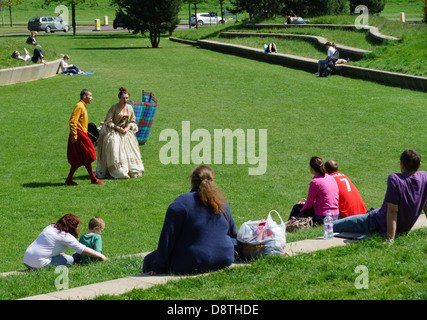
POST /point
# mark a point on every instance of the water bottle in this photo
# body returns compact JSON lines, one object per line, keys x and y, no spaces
{"x":328,"y":226}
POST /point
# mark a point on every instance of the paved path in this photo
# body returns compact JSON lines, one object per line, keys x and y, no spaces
{"x":142,"y":281}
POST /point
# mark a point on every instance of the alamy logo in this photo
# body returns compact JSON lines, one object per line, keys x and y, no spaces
{"x":61,"y":282}
{"x":208,"y":150}
{"x":362,"y":281}
{"x":364,"y":16}
{"x":62,"y":17}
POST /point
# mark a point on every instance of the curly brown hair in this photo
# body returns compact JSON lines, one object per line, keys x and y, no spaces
{"x":68,"y":223}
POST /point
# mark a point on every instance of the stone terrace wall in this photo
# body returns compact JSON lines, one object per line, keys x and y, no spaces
{"x":29,"y":73}
{"x":373,"y":31}
{"x":380,"y":76}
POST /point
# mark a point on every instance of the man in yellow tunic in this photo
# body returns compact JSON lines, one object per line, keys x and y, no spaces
{"x":80,"y":151}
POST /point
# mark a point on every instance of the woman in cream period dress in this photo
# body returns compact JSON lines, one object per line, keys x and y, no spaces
{"x":118,"y":150}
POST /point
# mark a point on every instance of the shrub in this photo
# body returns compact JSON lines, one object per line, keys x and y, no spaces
{"x":425,"y":11}
{"x":311,"y":8}
{"x":374,"y":6}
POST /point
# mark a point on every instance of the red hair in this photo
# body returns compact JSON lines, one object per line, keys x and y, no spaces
{"x":68,"y":223}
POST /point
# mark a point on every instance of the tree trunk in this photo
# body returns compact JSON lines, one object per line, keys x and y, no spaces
{"x":222,"y":11}
{"x":195,"y":16}
{"x":10,"y":15}
{"x":73,"y":17}
{"x":155,"y":35}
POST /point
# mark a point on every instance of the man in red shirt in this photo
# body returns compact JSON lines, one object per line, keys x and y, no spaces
{"x":350,"y":202}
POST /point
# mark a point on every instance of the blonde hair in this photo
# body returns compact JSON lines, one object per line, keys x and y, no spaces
{"x":96,"y":222}
{"x":202,"y":181}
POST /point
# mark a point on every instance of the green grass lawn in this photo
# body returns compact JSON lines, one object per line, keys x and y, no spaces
{"x":364,"y":126}
{"x":392,"y":273}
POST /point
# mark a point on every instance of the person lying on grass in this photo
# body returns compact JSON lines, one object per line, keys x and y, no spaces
{"x":405,"y":198}
{"x":37,"y":55}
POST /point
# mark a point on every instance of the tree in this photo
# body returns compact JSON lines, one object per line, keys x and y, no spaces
{"x":10,"y":4}
{"x":310,"y":8}
{"x":196,"y":2}
{"x":154,"y":16}
{"x":374,"y":6}
{"x":425,"y":11}
{"x":265,"y":8}
{"x":221,"y":5}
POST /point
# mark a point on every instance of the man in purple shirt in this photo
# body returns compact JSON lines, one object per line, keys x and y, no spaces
{"x":405,"y":198}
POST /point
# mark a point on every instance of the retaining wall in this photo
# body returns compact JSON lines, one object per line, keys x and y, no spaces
{"x":373,"y":31}
{"x":354,"y":52}
{"x":380,"y":76}
{"x":29,"y":73}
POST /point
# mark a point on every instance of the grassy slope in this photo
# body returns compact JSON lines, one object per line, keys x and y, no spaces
{"x":364,"y":133}
{"x":357,"y":123}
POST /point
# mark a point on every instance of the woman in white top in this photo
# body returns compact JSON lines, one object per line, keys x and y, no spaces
{"x":68,"y":68}
{"x":50,"y":245}
{"x":118,"y":150}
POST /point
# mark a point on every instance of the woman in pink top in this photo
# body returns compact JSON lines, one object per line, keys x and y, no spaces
{"x":322,"y":194}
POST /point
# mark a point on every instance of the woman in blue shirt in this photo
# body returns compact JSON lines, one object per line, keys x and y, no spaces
{"x":198,"y":233}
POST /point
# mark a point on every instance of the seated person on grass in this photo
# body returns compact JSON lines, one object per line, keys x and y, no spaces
{"x":198,"y":234}
{"x":32,"y":39}
{"x":92,"y":239}
{"x":68,"y":68}
{"x":405,"y":198}
{"x":349,"y":202}
{"x":49,"y":247}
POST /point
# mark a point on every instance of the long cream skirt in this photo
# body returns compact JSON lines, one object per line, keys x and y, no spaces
{"x":118,"y":155}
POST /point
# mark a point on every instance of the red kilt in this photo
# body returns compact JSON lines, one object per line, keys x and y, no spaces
{"x":82,"y":151}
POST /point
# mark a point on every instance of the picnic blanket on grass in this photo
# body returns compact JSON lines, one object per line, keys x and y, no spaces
{"x":79,"y":74}
{"x":145,"y":111}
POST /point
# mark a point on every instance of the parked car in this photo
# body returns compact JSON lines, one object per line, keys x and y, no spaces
{"x":205,"y":18}
{"x":48,"y":24}
{"x":118,"y":21}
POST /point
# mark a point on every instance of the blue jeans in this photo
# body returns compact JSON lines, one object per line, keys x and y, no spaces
{"x":59,"y":260}
{"x":72,"y":70}
{"x":360,"y":223}
{"x":37,"y":55}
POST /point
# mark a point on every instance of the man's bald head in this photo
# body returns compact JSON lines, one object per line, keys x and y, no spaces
{"x":331,"y":166}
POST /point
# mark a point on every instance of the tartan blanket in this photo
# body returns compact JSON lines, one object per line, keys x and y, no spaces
{"x":145,"y":111}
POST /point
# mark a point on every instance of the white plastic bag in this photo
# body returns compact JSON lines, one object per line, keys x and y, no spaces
{"x":262,"y":237}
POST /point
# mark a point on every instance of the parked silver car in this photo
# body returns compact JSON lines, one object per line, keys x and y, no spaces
{"x":48,"y":24}
{"x":205,"y":18}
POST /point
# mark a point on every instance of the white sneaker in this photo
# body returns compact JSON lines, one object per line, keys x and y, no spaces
{"x":316,"y":74}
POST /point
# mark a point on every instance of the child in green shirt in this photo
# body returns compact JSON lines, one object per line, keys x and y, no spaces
{"x":92,"y":238}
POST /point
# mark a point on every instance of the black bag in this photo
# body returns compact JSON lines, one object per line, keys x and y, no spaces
{"x":326,"y":69}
